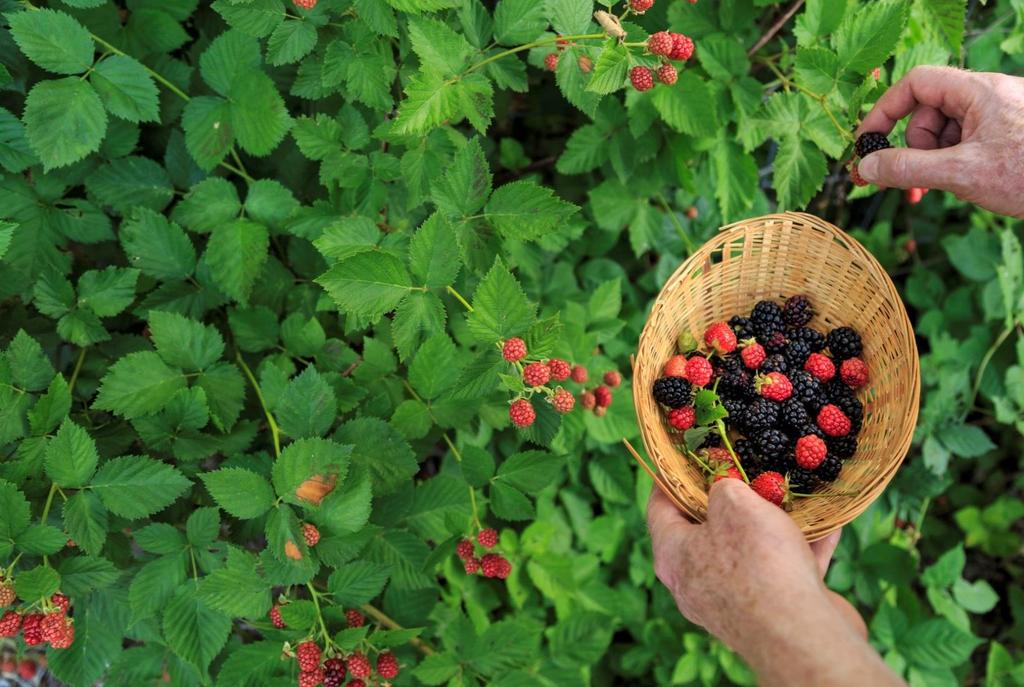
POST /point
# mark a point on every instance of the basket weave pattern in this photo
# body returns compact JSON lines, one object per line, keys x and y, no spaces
{"x":771,"y":257}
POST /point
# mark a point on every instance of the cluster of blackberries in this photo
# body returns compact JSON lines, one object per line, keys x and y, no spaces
{"x":789,"y":391}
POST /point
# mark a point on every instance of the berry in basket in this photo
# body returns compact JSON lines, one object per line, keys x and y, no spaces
{"x":768,"y":399}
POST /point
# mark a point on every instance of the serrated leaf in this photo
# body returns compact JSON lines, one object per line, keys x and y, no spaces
{"x":969,"y":441}
{"x":258,"y":18}
{"x":209,"y":133}
{"x":236,"y":253}
{"x":138,"y":384}
{"x":307,"y":406}
{"x":85,"y":520}
{"x":500,"y":308}
{"x":466,"y":184}
{"x":529,"y":471}
{"x":236,"y":592}
{"x":14,"y":511}
{"x":41,"y":540}
{"x":518,"y":21}
{"x":81,"y":575}
{"x":821,"y":17}
{"x":30,"y":368}
{"x":98,"y":642}
{"x":867,"y":37}
{"x":368,"y":284}
{"x":306,"y":459}
{"x":937,"y":642}
{"x":429,"y":101}
{"x":64,"y":121}
{"x":127,"y":89}
{"x":947,"y":17}
{"x":290,"y":42}
{"x":439,"y":48}
{"x":107,"y":292}
{"x":687,"y":107}
{"x":436,"y":368}
{"x":183,"y":342}
{"x":157,"y":247}
{"x":357,"y":583}
{"x":525,"y":211}
{"x":71,"y":456}
{"x":53,"y":40}
{"x":258,"y":114}
{"x":610,"y":70}
{"x":51,"y":408}
{"x":735,"y":174}
{"x":798,"y":172}
{"x":192,"y":630}
{"x":154,"y":584}
{"x":137,"y":486}
{"x":240,"y":492}
{"x":36,"y":583}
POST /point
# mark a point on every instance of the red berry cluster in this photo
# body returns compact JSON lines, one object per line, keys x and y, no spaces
{"x":670,"y":46}
{"x":52,"y":626}
{"x":332,"y":672}
{"x":304,"y":4}
{"x":489,"y":564}
{"x":26,"y":668}
{"x":585,"y":64}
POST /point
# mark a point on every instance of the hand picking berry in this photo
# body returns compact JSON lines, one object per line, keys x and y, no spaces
{"x":870,"y":142}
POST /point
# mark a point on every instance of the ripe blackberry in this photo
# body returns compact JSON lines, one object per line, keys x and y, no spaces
{"x":736,"y":385}
{"x":735,"y":407}
{"x":870,"y":142}
{"x":742,"y":327}
{"x":781,"y":463}
{"x":747,"y":452}
{"x":759,"y":415}
{"x":842,"y":448}
{"x":712,"y":440}
{"x":776,"y":343}
{"x":766,"y":318}
{"x":794,"y":417}
{"x":674,"y":392}
{"x":829,"y":470}
{"x":774,"y":363}
{"x":812,"y":337}
{"x":808,"y":390}
{"x":773,"y":443}
{"x":844,"y":343}
{"x":796,"y":354}
{"x":797,"y":311}
{"x":802,"y":480}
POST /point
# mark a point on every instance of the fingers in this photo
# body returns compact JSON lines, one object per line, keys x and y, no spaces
{"x":849,"y":614}
{"x":926,"y":124}
{"x":942,"y":168}
{"x":950,"y":91}
{"x":663,"y":518}
{"x":950,"y":135}
{"x":823,"y":550}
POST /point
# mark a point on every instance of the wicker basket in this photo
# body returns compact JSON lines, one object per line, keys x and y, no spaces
{"x":771,"y":257}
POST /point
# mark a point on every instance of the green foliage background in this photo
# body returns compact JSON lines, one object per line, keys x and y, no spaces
{"x":243,"y":244}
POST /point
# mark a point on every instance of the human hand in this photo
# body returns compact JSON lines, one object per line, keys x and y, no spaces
{"x":965,"y":135}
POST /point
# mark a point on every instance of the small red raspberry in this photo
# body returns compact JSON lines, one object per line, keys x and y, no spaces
{"x":667,"y":74}
{"x":308,"y":655}
{"x":536,"y":374}
{"x":771,"y":486}
{"x":692,"y":212}
{"x":641,"y":78}
{"x":304,"y":4}
{"x":61,"y":601}
{"x":588,"y":400}
{"x":52,"y":626}
{"x":660,"y":43}
{"x":833,"y":421}
{"x":640,"y":6}
{"x":716,"y":455}
{"x":31,"y":629}
{"x":514,"y":349}
{"x":820,"y":366}
{"x":551,"y":61}
{"x":720,"y":337}
{"x":387,"y":665}
{"x":464,"y":549}
{"x":855,"y":176}
{"x":682,"y":418}
{"x":600,"y":411}
{"x":579,"y":374}
{"x":682,"y":48}
{"x":311,"y":678}
{"x":876,"y":73}
{"x":731,"y":472}
{"x":561,"y":43}
{"x":560,"y":370}
{"x":10,"y":623}
{"x":358,"y":665}
{"x":753,"y":355}
{"x":354,"y":618}
{"x":276,"y":619}
{"x":854,"y":372}
{"x":774,"y":386}
{"x":489,"y":564}
{"x":612,"y":379}
{"x":27,"y":669}
{"x":311,"y":534}
{"x":471,"y":565}
{"x":603,"y":396}
{"x":586,"y":64}
{"x":698,"y":370}
{"x":487,"y":538}
{"x":7,"y":595}
{"x":563,"y":401}
{"x":810,"y":451}
{"x":675,"y":367}
{"x":71,"y":544}
{"x":521,"y":413}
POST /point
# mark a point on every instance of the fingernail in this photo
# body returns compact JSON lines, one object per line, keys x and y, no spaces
{"x":868,"y":168}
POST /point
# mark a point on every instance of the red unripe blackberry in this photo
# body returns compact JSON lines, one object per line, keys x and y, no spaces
{"x":640,"y":6}
{"x":31,"y":629}
{"x":699,"y":370}
{"x":52,"y":626}
{"x":579,"y":374}
{"x":27,"y":669}
{"x":810,"y":451}
{"x":914,"y":194}
{"x":305,"y":4}
{"x":821,"y":366}
{"x":521,"y":413}
{"x":471,"y":565}
{"x":855,"y":176}
{"x":600,"y":411}
{"x":563,"y":401}
{"x":660,"y":43}
{"x":358,"y":665}
{"x":682,"y":418}
{"x":308,"y":656}
{"x":770,"y":486}
{"x":612,"y":379}
{"x":641,"y":78}
{"x":586,"y":64}
{"x":61,"y":601}
{"x":560,"y":370}
{"x":7,"y":595}
{"x":276,"y":619}
{"x":753,"y":355}
{"x":854,"y":372}
{"x":588,"y":400}
{"x":354,"y":618}
{"x":716,"y":455}
{"x":10,"y":623}
{"x":682,"y":48}
{"x":311,"y":678}
{"x":311,"y":534}
{"x":387,"y":665}
{"x":692,"y":212}
{"x":551,"y":61}
{"x":675,"y":367}
{"x":774,"y":386}
{"x":8,"y":666}
{"x":491,"y":565}
{"x":603,"y":396}
{"x":464,"y":549}
{"x":514,"y":349}
{"x":870,"y":142}
{"x":720,"y":337}
{"x":65,"y":637}
{"x":667,"y":74}
{"x":487,"y":538}
{"x":833,"y":421}
{"x":536,"y":374}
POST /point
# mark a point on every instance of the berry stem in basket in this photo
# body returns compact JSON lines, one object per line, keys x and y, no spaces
{"x":720,"y":426}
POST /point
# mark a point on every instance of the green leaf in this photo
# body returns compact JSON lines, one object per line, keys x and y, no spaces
{"x":868,"y":36}
{"x":15,"y":155}
{"x":817,"y":68}
{"x":39,"y":582}
{"x":157,"y":247}
{"x":290,"y":42}
{"x":51,"y":408}
{"x":225,"y":393}
{"x":947,"y":17}
{"x":71,"y":456}
{"x":687,"y":107}
{"x":258,"y":114}
{"x":258,"y":18}
{"x":127,"y":89}
{"x":500,"y":308}
{"x":735,"y":174}
{"x":611,"y":68}
{"x":193,"y":631}
{"x":98,"y":641}
{"x":235,"y":590}
{"x":236,"y":253}
{"x":30,"y":368}
{"x":6,"y":233}
{"x":976,"y":597}
{"x":209,"y":134}
{"x":570,"y":16}
{"x":81,"y":575}
{"x":968,"y":441}
{"x":434,"y":253}
{"x":529,"y":471}
{"x":137,"y":486}
{"x":347,"y":508}
{"x":307,"y":406}
{"x":202,"y":527}
{"x":183,"y":342}
{"x":439,"y":48}
{"x":939,"y":643}
{"x":138,"y":384}
{"x":466,"y":184}
{"x":477,"y":466}
{"x":14,"y":511}
{"x":723,"y":57}
{"x":525,"y":211}
{"x":107,"y":292}
{"x":64,"y":121}
{"x":160,"y":538}
{"x":240,"y":492}
{"x":41,"y":540}
{"x":367,"y":284}
{"x":799,"y":172}
{"x":154,"y":585}
{"x":435,"y":368}
{"x":53,"y":40}
{"x":357,"y":583}
{"x":820,"y":18}
{"x":518,"y":21}
{"x":429,"y":101}
{"x":253,"y":329}
{"x":947,"y":569}
{"x":85,"y":520}
{"x":304,"y":459}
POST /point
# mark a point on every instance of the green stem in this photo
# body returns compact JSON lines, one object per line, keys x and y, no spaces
{"x":728,"y":446}
{"x":275,"y":432}
{"x":472,"y":492}
{"x":459,"y":297}
{"x":690,"y":248}
{"x":530,"y":46}
{"x":817,"y":97}
{"x":156,"y":75}
{"x":46,"y":513}
{"x":319,"y":615}
{"x":387,"y":622}
{"x":76,"y":370}
{"x":985,"y":361}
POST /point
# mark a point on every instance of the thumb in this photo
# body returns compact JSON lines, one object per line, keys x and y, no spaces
{"x":941,"y":168}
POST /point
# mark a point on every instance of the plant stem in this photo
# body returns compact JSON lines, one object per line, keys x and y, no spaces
{"x":459,"y":297}
{"x":774,"y":29}
{"x":472,"y":492}
{"x":319,"y":615}
{"x":275,"y":432}
{"x":529,"y":46}
{"x":817,"y":97}
{"x":984,"y":364}
{"x":387,"y":622}
{"x":679,"y":225}
{"x":728,"y":446}
{"x":76,"y":370}
{"x":46,"y":513}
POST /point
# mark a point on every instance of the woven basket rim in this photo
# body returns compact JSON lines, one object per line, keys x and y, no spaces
{"x":848,"y":506}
